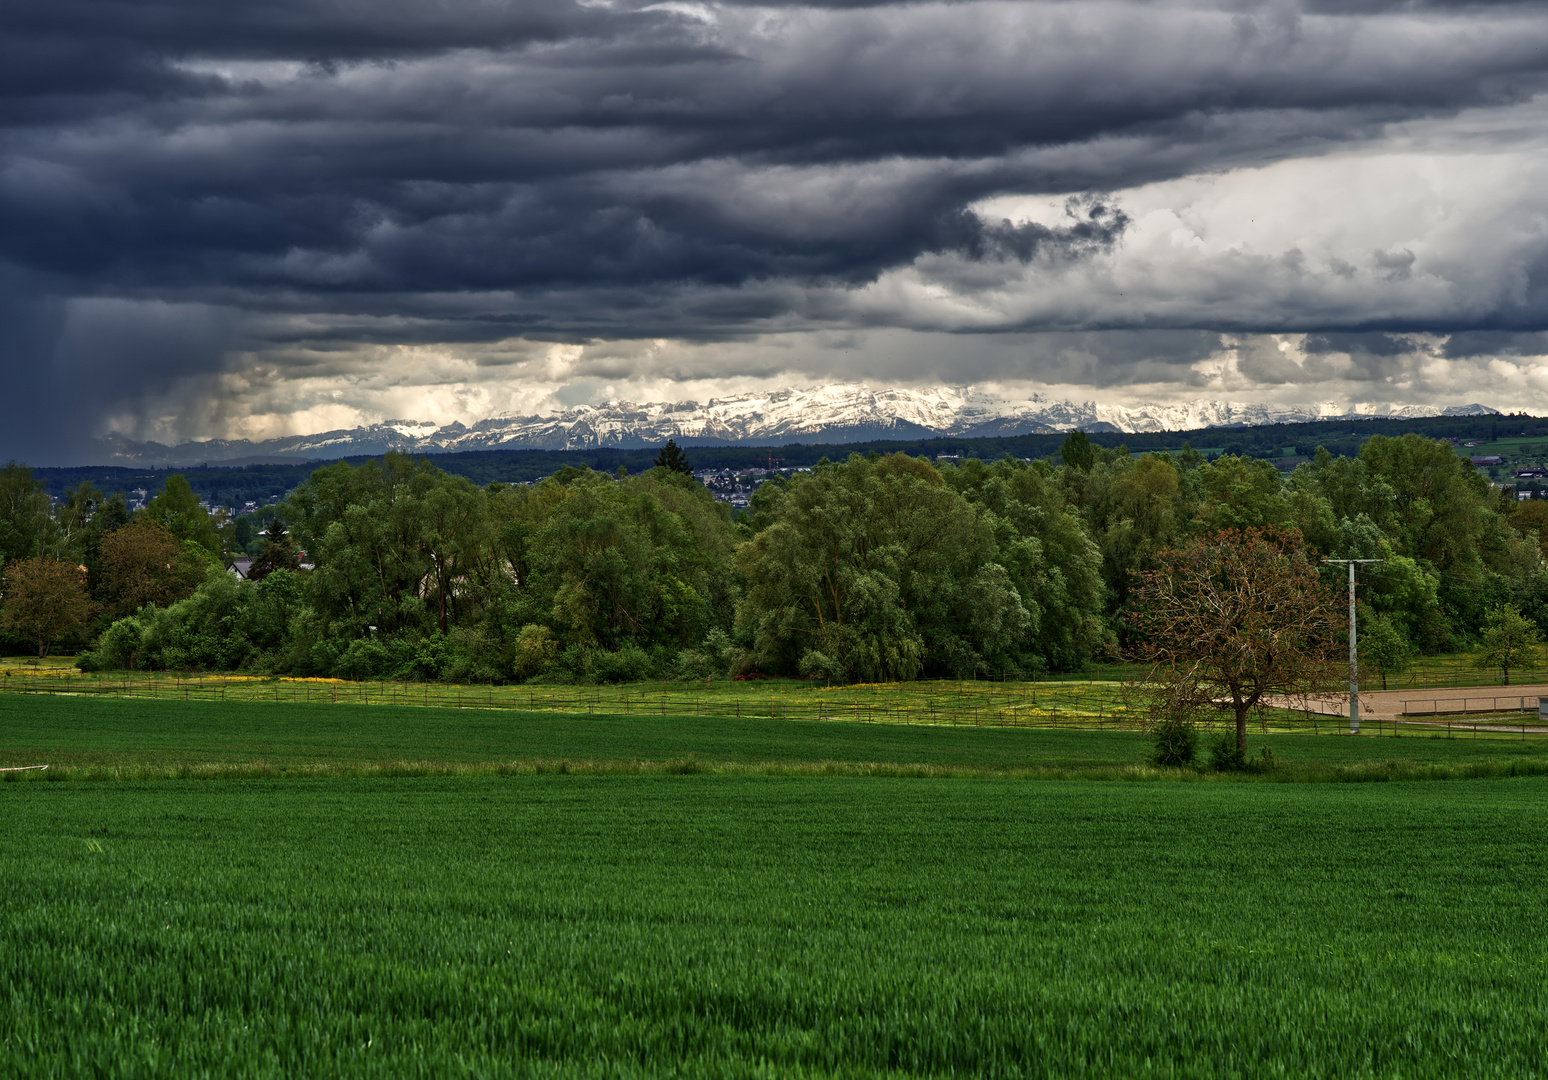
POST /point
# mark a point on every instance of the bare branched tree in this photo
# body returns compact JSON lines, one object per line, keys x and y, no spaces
{"x":1233,"y":618}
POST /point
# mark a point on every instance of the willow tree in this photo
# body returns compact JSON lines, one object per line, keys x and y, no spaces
{"x":1234,"y":618}
{"x":874,"y":570}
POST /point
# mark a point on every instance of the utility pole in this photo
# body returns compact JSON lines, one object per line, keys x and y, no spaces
{"x":1354,"y":655}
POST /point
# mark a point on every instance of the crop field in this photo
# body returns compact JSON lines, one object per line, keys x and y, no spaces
{"x":789,"y":926}
{"x":104,"y":738}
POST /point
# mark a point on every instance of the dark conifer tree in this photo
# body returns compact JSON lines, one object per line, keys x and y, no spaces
{"x":1077,"y":451}
{"x":279,"y":552}
{"x":672,"y":457}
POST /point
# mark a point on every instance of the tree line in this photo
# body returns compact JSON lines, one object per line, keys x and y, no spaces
{"x":877,"y":567}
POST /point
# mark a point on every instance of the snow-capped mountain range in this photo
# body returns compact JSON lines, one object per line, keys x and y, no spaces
{"x":841,"y":413}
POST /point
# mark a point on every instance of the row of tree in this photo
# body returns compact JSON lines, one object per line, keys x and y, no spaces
{"x":878,"y":567}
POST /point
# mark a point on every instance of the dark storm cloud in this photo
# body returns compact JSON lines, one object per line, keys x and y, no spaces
{"x":1367,"y":344}
{"x":486,"y":146}
{"x":1472,"y":343}
{"x":563,"y":169}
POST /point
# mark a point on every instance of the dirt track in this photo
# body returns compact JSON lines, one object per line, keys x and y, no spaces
{"x":1388,"y":704}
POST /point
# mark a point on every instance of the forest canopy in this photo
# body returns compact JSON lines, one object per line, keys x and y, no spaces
{"x":878,"y":567}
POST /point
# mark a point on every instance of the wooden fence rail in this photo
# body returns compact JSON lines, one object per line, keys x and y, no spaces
{"x":1011,"y":705}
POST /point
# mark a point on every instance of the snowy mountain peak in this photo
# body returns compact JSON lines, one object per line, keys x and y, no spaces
{"x":837,"y":413}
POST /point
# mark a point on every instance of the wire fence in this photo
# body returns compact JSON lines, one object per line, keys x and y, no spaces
{"x":1488,"y":704}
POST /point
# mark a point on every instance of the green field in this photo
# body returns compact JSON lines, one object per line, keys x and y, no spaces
{"x":104,"y":738}
{"x":968,"y":703}
{"x":280,"y":889}
{"x":767,"y":926}
{"x":1114,"y":700}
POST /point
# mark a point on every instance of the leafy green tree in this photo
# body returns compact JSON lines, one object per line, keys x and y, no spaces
{"x":176,"y":508}
{"x":367,"y":531}
{"x":1399,"y":589}
{"x":1241,"y":493}
{"x":1441,"y":514}
{"x":144,"y":563}
{"x":244,"y":535}
{"x":601,"y":563}
{"x":1418,"y":504}
{"x":882,"y":570}
{"x":1509,"y":641}
{"x":45,"y":599}
{"x":633,"y":561}
{"x":271,"y":605}
{"x":456,"y":540}
{"x":1051,"y":562}
{"x":761,"y":505}
{"x":119,"y":646}
{"x":25,"y":522}
{"x":72,"y":521}
{"x":110,"y":515}
{"x":1531,"y":519}
{"x":1311,"y":514}
{"x":1134,"y":514}
{"x":207,"y":630}
{"x":1346,"y":484}
{"x":673,"y":459}
{"x":1383,"y":644}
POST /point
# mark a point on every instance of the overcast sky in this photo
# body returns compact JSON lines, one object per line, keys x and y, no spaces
{"x":253,"y":219}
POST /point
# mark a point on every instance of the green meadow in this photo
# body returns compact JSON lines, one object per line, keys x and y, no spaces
{"x":772,"y":926}
{"x":106,"y":738}
{"x":272,"y":890}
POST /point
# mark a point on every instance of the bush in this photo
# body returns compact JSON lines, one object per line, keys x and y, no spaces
{"x":720,"y":650}
{"x":693,"y":665}
{"x":432,"y":657}
{"x":477,"y":656}
{"x":385,"y":657}
{"x":536,"y":650}
{"x":821,"y":668}
{"x":1225,"y":755}
{"x":629,"y":664}
{"x":365,"y":658}
{"x":1176,"y":742}
{"x":120,"y":645}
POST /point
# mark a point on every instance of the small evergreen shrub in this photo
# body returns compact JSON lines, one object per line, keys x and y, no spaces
{"x":1225,"y":755}
{"x":1175,"y":740}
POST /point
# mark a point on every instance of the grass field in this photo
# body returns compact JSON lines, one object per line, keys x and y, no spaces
{"x":1065,"y":702}
{"x":971,"y":703}
{"x":260,"y":888}
{"x":766,"y":926}
{"x":103,"y":738}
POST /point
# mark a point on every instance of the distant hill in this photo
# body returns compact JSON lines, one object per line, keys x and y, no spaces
{"x":234,"y":485}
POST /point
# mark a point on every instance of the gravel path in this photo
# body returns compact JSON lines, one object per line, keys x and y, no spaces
{"x":1389,"y":704}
